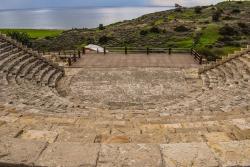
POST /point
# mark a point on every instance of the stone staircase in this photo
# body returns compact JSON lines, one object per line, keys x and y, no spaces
{"x":210,"y":126}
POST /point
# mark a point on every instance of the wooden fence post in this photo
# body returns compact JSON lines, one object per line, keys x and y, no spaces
{"x":126,"y":50}
{"x":83,"y":51}
{"x":69,"y":61}
{"x":74,"y":56}
{"x":200,"y":60}
{"x":79,"y":54}
{"x":170,"y":51}
{"x":104,"y":50}
{"x":147,"y":51}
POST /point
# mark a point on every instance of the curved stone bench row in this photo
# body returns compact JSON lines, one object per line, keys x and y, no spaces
{"x":17,"y":63}
{"x":235,"y":71}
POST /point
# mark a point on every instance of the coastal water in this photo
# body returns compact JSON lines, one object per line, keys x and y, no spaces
{"x":43,"y":16}
{"x":66,"y":18}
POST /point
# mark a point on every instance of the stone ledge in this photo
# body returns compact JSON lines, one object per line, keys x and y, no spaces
{"x":19,"y":152}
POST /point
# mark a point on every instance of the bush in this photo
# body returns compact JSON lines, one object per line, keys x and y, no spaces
{"x":208,"y":54}
{"x":216,"y":15}
{"x":101,"y":27}
{"x":22,"y":37}
{"x":198,"y":10}
{"x":235,"y":11}
{"x":228,"y":18}
{"x":181,"y":29}
{"x":103,"y":39}
{"x":242,"y":25}
{"x":155,"y":30}
{"x":143,"y":32}
{"x":227,"y":31}
{"x":225,"y":39}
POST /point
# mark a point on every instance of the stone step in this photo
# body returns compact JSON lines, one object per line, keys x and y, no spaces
{"x":3,"y":44}
{"x":6,"y":48}
{"x":36,"y":69}
{"x":52,"y":82}
{"x":245,"y":60}
{"x":197,"y":154}
{"x":7,"y":54}
{"x":47,"y":147}
{"x":9,"y":59}
{"x":48,"y":76}
{"x":44,"y":73}
{"x":29,"y":67}
{"x":21,"y":71}
{"x":14,"y":64}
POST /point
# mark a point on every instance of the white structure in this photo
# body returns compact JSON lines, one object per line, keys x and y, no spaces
{"x":96,"y":48}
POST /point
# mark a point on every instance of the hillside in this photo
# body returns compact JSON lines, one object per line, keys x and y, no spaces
{"x":214,"y":30}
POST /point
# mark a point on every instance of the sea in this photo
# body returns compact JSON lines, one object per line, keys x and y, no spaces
{"x":79,"y":17}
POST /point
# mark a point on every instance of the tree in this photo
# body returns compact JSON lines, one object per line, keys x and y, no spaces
{"x":228,"y":31}
{"x":143,"y":32}
{"x":22,"y":37}
{"x":216,"y":15}
{"x":155,"y":30}
{"x":103,"y":39}
{"x":101,"y":27}
{"x":198,"y":10}
{"x":181,"y":29}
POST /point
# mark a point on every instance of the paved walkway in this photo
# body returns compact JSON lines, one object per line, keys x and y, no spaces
{"x":136,"y":60}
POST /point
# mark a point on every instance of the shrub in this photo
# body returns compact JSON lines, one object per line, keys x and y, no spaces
{"x":235,"y":11}
{"x":208,"y":54}
{"x":155,"y":30}
{"x":22,"y":37}
{"x":228,"y":18}
{"x":242,"y":25}
{"x":101,"y":27}
{"x":198,"y":10}
{"x":227,"y":30}
{"x":225,"y":39}
{"x":181,"y":29}
{"x":216,"y":15}
{"x":103,"y":39}
{"x":143,"y":32}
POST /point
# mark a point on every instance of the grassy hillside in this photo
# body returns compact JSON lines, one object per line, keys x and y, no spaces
{"x":36,"y":33}
{"x":212,"y":30}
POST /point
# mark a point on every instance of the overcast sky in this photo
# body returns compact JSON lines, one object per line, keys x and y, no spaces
{"x":21,"y":4}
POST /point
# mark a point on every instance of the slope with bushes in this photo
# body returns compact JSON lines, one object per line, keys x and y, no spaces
{"x":213,"y":30}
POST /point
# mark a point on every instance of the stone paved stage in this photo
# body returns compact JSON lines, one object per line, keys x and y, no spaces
{"x":136,"y":60}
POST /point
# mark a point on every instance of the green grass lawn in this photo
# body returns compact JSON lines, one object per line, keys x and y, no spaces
{"x":209,"y":35}
{"x":36,"y":33}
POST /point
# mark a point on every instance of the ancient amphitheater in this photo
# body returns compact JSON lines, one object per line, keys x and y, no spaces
{"x":127,"y":116}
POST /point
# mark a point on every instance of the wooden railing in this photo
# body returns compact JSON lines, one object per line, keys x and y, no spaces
{"x":197,"y":56}
{"x":72,"y":55}
{"x":146,"y":50}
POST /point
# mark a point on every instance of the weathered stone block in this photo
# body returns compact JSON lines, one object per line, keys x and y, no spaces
{"x":18,"y":151}
{"x":217,"y":137}
{"x":234,"y":153}
{"x":8,"y":119}
{"x":38,"y":135}
{"x":188,"y":154}
{"x":69,"y":155}
{"x":139,"y":155}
